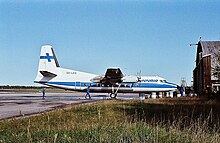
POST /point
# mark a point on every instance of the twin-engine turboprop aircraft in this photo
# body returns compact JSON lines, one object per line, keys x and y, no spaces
{"x":51,"y":74}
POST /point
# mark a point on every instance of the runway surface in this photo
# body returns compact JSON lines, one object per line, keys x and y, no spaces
{"x":19,"y":105}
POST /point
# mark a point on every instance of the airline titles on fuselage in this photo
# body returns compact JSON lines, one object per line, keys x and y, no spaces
{"x":152,"y":80}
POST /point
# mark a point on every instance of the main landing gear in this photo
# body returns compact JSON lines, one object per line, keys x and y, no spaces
{"x":114,"y":93}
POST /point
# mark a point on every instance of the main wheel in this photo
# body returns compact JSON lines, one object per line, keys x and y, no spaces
{"x":112,"y":95}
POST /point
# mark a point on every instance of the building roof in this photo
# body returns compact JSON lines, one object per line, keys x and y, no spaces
{"x":206,"y":48}
{"x":209,"y":47}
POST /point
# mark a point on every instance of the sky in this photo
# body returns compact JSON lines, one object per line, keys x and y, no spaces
{"x":148,"y":36}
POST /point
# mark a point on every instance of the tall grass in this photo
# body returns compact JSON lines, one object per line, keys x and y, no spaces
{"x":117,"y":121}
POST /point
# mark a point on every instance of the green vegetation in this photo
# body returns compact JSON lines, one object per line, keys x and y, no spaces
{"x":163,"y":120}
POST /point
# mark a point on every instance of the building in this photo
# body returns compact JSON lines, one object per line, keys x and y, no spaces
{"x":206,"y":74}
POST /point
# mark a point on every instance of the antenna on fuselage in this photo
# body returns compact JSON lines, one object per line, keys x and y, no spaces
{"x":139,"y":75}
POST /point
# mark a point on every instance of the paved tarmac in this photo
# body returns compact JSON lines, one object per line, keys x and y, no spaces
{"x":19,"y":105}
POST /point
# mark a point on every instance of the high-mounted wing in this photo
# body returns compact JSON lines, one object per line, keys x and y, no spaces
{"x":111,"y":77}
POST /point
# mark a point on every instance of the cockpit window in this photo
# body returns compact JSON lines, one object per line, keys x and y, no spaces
{"x":163,"y":81}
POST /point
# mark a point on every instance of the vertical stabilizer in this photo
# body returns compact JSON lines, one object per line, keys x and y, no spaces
{"x":48,"y":64}
{"x":48,"y":60}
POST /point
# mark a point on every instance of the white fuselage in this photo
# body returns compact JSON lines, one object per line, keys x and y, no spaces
{"x":79,"y":81}
{"x":51,"y":74}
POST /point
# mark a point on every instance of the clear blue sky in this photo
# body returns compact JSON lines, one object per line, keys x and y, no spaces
{"x":151,"y":36}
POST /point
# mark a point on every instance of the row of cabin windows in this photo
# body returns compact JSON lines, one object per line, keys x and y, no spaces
{"x":122,"y":85}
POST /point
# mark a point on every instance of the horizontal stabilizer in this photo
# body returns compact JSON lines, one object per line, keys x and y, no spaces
{"x":47,"y":74}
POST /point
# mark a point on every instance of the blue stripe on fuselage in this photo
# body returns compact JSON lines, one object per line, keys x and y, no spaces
{"x":138,"y":85}
{"x":154,"y":85}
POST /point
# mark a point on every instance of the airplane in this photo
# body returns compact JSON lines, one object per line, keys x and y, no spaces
{"x":113,"y":81}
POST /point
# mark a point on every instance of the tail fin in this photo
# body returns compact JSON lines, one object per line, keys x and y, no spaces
{"x":48,"y":63}
{"x":48,"y":60}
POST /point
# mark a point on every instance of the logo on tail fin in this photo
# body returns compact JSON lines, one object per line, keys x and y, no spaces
{"x":48,"y":57}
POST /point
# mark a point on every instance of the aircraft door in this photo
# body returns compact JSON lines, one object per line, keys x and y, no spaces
{"x":78,"y":85}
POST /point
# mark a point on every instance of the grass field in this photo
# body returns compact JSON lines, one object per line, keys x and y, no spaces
{"x":160,"y":120}
{"x":24,"y":90}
